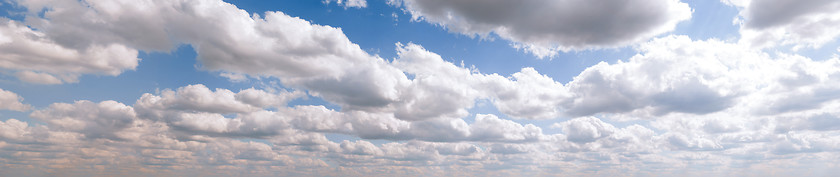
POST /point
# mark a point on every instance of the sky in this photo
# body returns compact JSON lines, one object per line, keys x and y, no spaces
{"x":419,"y":88}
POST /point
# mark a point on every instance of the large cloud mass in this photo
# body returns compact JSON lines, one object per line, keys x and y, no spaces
{"x":544,"y":27}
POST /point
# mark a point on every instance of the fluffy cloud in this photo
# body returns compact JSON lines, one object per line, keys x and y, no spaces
{"x":544,"y":28}
{"x":673,"y":74}
{"x":767,"y":23}
{"x":11,"y":101}
{"x":585,"y":130}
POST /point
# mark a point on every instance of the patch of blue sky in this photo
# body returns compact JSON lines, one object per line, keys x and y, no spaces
{"x":710,"y":19}
{"x":11,"y":11}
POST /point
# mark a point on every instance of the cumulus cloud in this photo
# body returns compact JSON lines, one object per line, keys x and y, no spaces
{"x":585,"y":130}
{"x":800,"y":24}
{"x":671,"y":74}
{"x":544,"y":28}
{"x":12,"y":101}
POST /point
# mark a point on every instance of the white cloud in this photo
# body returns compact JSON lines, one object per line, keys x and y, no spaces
{"x":544,"y":28}
{"x":11,"y":101}
{"x":526,"y":94}
{"x":491,"y":128}
{"x":672,"y":74}
{"x":800,"y":24}
{"x":529,"y":94}
{"x":584,"y":130}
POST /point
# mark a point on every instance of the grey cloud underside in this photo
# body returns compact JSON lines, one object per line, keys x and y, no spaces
{"x":800,"y":24}
{"x":566,"y":24}
{"x":770,"y":13}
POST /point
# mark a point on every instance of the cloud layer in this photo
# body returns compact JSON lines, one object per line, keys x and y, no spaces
{"x":678,"y":107}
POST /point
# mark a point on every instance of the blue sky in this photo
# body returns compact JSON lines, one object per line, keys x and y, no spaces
{"x":419,"y":88}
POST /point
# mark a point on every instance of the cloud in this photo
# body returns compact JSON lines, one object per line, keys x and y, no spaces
{"x":673,"y":74}
{"x":94,"y":120}
{"x":490,"y":127}
{"x":526,"y":94}
{"x":12,"y":101}
{"x":584,"y":130}
{"x":195,"y":109}
{"x":544,"y":28}
{"x":769,"y":23}
{"x":26,"y":50}
{"x":349,"y":3}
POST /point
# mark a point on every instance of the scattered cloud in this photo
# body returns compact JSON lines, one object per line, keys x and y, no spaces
{"x":12,"y":101}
